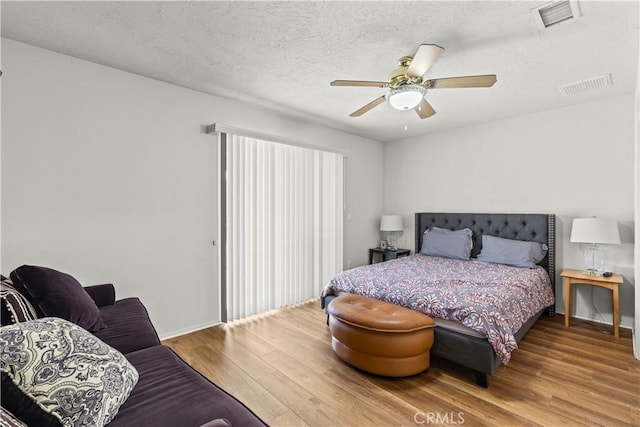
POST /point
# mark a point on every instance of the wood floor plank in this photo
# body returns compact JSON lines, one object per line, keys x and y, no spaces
{"x":371,"y":404}
{"x":288,"y":419}
{"x":281,"y":365}
{"x":473,"y":403}
{"x":236,"y":380}
{"x":300,"y":400}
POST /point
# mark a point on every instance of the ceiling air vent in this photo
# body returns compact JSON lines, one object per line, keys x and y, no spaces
{"x":587,"y":85}
{"x":556,"y":12}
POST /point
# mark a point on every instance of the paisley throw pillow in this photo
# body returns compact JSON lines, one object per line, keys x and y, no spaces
{"x":66,"y":370}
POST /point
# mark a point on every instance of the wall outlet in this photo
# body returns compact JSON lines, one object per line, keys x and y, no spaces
{"x":348,"y":263}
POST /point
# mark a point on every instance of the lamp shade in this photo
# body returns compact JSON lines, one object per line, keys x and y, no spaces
{"x":391,"y":223}
{"x":595,"y":230}
{"x":406,"y":97}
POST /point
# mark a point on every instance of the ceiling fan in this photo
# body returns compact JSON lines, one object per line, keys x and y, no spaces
{"x":407,"y":88}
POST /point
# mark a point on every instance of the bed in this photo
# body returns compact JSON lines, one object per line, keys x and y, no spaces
{"x":469,"y":344}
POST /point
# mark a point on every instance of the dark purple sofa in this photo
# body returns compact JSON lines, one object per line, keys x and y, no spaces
{"x":168,"y":391}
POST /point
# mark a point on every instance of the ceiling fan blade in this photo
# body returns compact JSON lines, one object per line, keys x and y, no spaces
{"x":425,"y":57}
{"x":486,"y":80}
{"x":358,"y":83}
{"x":368,"y":107}
{"x":424,"y":109}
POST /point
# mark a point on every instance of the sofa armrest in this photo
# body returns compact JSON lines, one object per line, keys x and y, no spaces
{"x":102,"y":295}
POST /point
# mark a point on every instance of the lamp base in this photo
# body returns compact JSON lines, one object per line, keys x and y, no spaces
{"x":594,"y":260}
{"x":393,"y":241}
{"x":591,"y":272}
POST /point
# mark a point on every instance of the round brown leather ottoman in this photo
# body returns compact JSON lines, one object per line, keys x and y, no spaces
{"x":379,"y":337}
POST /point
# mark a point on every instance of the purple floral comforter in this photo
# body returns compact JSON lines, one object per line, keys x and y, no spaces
{"x":491,"y":298}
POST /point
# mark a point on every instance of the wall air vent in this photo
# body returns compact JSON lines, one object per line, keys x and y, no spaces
{"x":556,"y":12}
{"x":587,"y":85}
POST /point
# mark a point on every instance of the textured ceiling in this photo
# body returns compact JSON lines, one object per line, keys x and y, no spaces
{"x":282,"y":55}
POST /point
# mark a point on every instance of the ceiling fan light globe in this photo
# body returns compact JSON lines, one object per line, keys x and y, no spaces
{"x":406,"y":97}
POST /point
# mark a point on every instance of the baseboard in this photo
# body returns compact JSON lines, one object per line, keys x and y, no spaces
{"x":600,"y":321}
{"x":186,"y":331}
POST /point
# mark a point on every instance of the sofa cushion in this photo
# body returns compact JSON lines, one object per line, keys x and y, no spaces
{"x":57,"y":294}
{"x":171,"y":393}
{"x":14,"y":307}
{"x":66,"y":370}
{"x":128,"y":326}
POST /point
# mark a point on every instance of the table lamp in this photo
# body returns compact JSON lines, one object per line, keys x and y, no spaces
{"x":593,"y":231}
{"x":393,"y":225}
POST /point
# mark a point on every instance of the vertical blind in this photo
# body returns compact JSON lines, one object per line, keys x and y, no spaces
{"x":284,"y":214}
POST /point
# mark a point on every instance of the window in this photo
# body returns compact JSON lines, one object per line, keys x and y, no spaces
{"x":283,"y":217}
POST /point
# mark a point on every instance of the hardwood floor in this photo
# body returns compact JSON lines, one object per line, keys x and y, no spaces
{"x":282,"y":367}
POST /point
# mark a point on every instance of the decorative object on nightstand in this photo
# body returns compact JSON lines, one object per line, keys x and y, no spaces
{"x":392,"y":224}
{"x":612,"y":282}
{"x":594,"y":230}
{"x":387,"y":253}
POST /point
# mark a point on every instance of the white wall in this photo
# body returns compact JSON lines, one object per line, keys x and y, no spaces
{"x":575,"y":161}
{"x":636,"y":330}
{"x":109,"y":176}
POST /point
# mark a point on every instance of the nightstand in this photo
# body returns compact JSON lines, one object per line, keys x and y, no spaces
{"x":573,"y":277}
{"x":387,"y":254}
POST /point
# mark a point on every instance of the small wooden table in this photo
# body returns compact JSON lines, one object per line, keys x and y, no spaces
{"x":573,"y":277}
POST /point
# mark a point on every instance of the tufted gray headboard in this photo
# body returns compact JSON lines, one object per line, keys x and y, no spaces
{"x":528,"y":227}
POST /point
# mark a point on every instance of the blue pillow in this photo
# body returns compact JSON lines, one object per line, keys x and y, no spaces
{"x":447,"y":244}
{"x":512,"y":252}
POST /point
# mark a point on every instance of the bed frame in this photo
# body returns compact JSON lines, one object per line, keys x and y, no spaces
{"x":473,"y":352}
